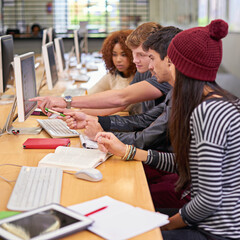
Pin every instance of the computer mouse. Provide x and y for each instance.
(90, 174)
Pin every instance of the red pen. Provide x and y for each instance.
(95, 211)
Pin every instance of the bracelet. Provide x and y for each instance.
(130, 153)
(126, 153)
(133, 152)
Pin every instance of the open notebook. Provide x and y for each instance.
(74, 159)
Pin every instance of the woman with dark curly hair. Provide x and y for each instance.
(119, 63)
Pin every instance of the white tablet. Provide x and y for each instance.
(48, 222)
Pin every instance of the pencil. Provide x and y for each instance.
(52, 111)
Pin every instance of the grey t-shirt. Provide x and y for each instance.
(163, 87)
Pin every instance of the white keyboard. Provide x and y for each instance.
(57, 128)
(80, 77)
(36, 187)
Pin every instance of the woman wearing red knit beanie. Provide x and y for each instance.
(205, 135)
(208, 119)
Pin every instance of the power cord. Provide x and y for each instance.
(9, 164)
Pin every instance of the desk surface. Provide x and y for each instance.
(124, 181)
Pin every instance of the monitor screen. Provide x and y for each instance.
(77, 46)
(6, 58)
(50, 34)
(25, 84)
(50, 65)
(45, 37)
(60, 54)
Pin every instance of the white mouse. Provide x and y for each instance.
(90, 174)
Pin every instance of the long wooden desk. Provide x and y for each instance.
(124, 181)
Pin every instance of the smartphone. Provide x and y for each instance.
(48, 222)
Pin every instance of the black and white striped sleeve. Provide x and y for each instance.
(161, 161)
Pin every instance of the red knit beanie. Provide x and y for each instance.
(197, 52)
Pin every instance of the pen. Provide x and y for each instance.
(95, 211)
(52, 111)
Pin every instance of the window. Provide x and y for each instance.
(103, 16)
(191, 13)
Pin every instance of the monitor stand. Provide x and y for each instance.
(16, 130)
(6, 98)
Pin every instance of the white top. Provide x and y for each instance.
(109, 82)
(112, 81)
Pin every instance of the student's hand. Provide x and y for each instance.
(49, 102)
(75, 120)
(92, 128)
(175, 222)
(108, 142)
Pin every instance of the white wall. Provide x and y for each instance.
(231, 43)
(231, 53)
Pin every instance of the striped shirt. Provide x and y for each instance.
(214, 166)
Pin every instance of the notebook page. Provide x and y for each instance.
(119, 220)
(87, 143)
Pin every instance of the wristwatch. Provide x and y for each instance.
(68, 100)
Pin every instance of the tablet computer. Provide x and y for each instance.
(47, 222)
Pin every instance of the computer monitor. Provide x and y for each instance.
(50, 34)
(50, 64)
(24, 71)
(45, 37)
(6, 59)
(25, 85)
(60, 54)
(77, 46)
(83, 32)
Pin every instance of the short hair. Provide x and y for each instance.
(107, 50)
(141, 33)
(35, 25)
(160, 40)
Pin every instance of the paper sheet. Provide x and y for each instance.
(119, 220)
(87, 143)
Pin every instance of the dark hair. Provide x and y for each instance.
(35, 25)
(107, 50)
(188, 93)
(160, 40)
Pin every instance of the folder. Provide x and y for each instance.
(45, 143)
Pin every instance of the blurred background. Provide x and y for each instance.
(101, 17)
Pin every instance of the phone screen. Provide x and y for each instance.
(39, 224)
